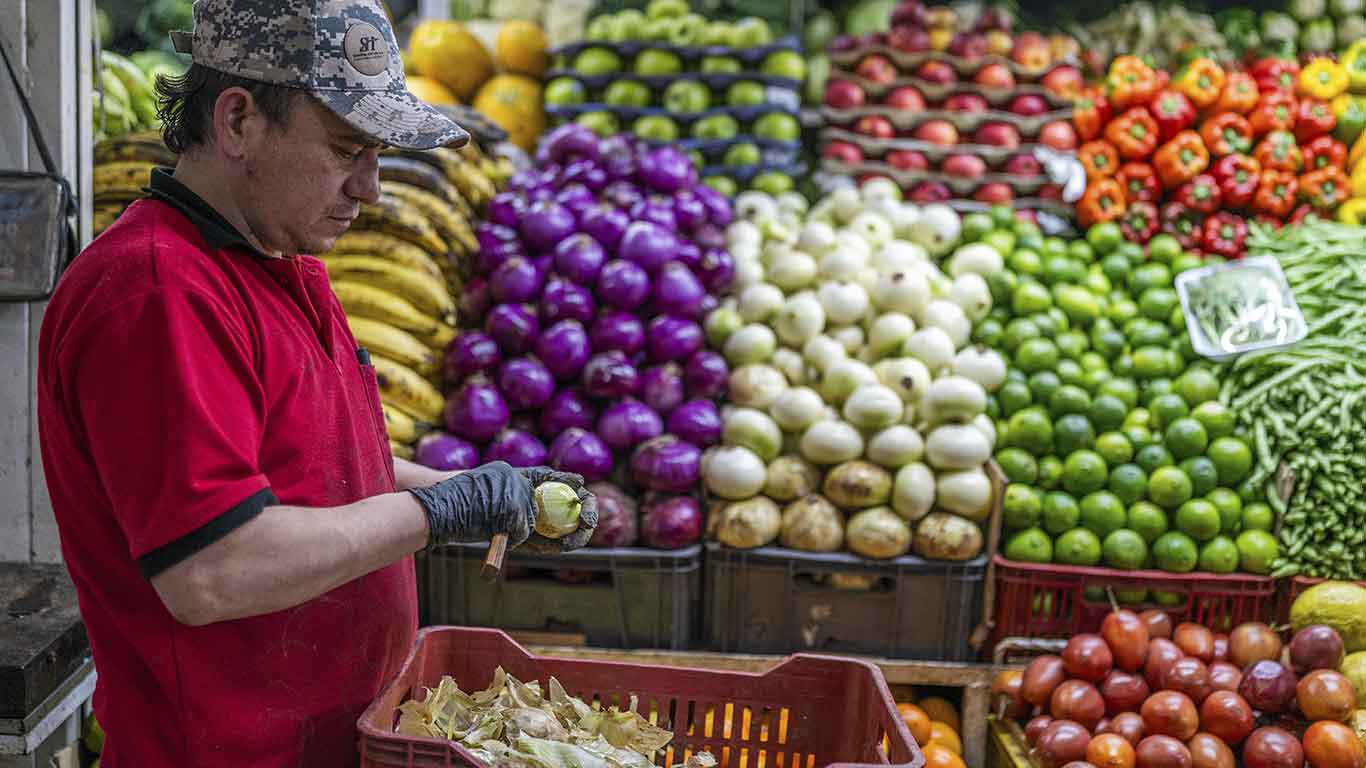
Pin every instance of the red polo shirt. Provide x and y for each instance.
(186, 383)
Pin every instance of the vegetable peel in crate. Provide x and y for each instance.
(512, 724)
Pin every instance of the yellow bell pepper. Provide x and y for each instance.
(1353, 212)
(1323, 79)
(1358, 185)
(1357, 156)
(1354, 63)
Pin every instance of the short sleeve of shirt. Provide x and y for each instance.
(163, 387)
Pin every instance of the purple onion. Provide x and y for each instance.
(445, 452)
(516, 280)
(490, 235)
(665, 169)
(672, 338)
(716, 270)
(718, 207)
(689, 210)
(567, 141)
(671, 522)
(513, 326)
(676, 291)
(525, 383)
(618, 523)
(534, 180)
(490, 259)
(566, 300)
(622, 194)
(657, 211)
(606, 224)
(580, 258)
(648, 245)
(516, 447)
(696, 421)
(709, 236)
(568, 408)
(474, 298)
(661, 387)
(541, 194)
(688, 255)
(564, 349)
(544, 262)
(666, 464)
(470, 353)
(617, 156)
(610, 376)
(706, 374)
(546, 223)
(628, 423)
(476, 411)
(617, 331)
(581, 452)
(709, 302)
(576, 197)
(506, 209)
(585, 173)
(623, 284)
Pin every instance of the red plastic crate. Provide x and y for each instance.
(1292, 588)
(808, 712)
(1050, 601)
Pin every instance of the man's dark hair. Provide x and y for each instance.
(185, 104)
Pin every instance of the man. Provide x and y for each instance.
(240, 539)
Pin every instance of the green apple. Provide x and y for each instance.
(600, 29)
(654, 62)
(657, 29)
(746, 93)
(565, 91)
(772, 182)
(743, 153)
(751, 32)
(627, 93)
(601, 123)
(655, 128)
(666, 9)
(820, 30)
(687, 30)
(723, 184)
(787, 64)
(597, 61)
(719, 33)
(686, 96)
(715, 127)
(627, 25)
(699, 162)
(720, 65)
(778, 126)
(817, 73)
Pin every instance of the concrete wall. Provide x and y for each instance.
(43, 39)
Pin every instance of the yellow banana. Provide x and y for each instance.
(403, 388)
(438, 339)
(402, 220)
(399, 450)
(365, 300)
(465, 175)
(120, 182)
(385, 340)
(141, 147)
(380, 245)
(453, 228)
(424, 173)
(103, 216)
(426, 293)
(402, 427)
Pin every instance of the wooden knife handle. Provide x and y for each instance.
(493, 562)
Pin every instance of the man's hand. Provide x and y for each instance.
(498, 498)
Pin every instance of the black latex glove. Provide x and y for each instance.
(498, 498)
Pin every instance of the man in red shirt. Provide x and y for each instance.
(240, 539)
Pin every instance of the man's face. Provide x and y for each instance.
(306, 180)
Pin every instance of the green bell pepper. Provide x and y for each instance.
(1318, 36)
(1277, 26)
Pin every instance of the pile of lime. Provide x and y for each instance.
(1116, 446)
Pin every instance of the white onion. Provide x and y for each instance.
(791, 477)
(888, 332)
(906, 376)
(913, 491)
(733, 472)
(797, 408)
(748, 271)
(931, 346)
(873, 226)
(895, 446)
(753, 343)
(843, 264)
(790, 362)
(971, 294)
(937, 229)
(982, 365)
(845, 203)
(951, 318)
(872, 406)
(849, 240)
(817, 238)
(755, 385)
(956, 446)
(983, 423)
(793, 201)
(754, 430)
(842, 378)
(721, 323)
(898, 256)
(954, 399)
(822, 351)
(905, 291)
(849, 336)
(976, 258)
(800, 319)
(844, 302)
(760, 302)
(880, 189)
(743, 232)
(966, 493)
(831, 442)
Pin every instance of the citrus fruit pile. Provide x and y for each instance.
(1111, 434)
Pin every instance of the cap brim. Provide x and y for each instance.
(397, 118)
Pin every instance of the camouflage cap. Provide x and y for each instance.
(342, 51)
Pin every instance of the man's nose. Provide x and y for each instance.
(363, 184)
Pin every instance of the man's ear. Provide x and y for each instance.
(236, 121)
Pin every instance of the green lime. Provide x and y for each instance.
(1102, 512)
(1150, 362)
(1232, 458)
(1163, 248)
(1198, 519)
(1021, 507)
(1068, 399)
(1036, 355)
(1094, 361)
(1219, 555)
(1002, 285)
(1175, 362)
(1139, 437)
(1152, 458)
(1080, 305)
(1060, 512)
(1131, 596)
(1124, 389)
(1122, 311)
(1030, 298)
(1029, 546)
(1185, 438)
(1186, 262)
(1175, 552)
(1048, 324)
(1081, 251)
(1124, 366)
(1145, 333)
(1077, 547)
(1108, 343)
(1018, 465)
(1042, 385)
(1258, 516)
(1071, 372)
(1148, 520)
(1013, 396)
(1002, 217)
(1107, 412)
(1215, 418)
(975, 226)
(1155, 389)
(1072, 344)
(1138, 417)
(1256, 551)
(1060, 269)
(1053, 246)
(1115, 448)
(1197, 386)
(1167, 409)
(1019, 331)
(1032, 430)
(1129, 482)
(1026, 262)
(1104, 237)
(989, 333)
(1125, 549)
(1096, 282)
(1204, 477)
(1084, 472)
(1050, 472)
(1149, 276)
(1072, 432)
(1177, 322)
(1230, 508)
(1094, 378)
(1157, 303)
(1132, 251)
(1115, 267)
(1025, 229)
(1169, 488)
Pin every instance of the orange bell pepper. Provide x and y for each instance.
(1133, 133)
(1276, 194)
(1130, 81)
(1239, 94)
(1090, 113)
(1103, 200)
(1099, 158)
(1227, 133)
(1202, 80)
(1181, 159)
(1275, 111)
(1139, 182)
(1279, 152)
(1325, 189)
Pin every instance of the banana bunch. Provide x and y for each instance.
(123, 167)
(124, 98)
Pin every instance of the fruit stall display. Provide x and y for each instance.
(1301, 28)
(936, 726)
(726, 93)
(952, 108)
(124, 95)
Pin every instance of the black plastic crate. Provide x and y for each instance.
(619, 598)
(776, 600)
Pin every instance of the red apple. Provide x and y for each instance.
(876, 126)
(999, 43)
(995, 17)
(905, 97)
(1026, 104)
(997, 135)
(937, 132)
(845, 151)
(966, 102)
(968, 45)
(1050, 192)
(877, 68)
(1031, 51)
(909, 13)
(1023, 165)
(964, 166)
(844, 94)
(995, 192)
(930, 192)
(909, 39)
(907, 160)
(1065, 81)
(995, 76)
(934, 71)
(1059, 135)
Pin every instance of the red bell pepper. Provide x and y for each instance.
(1139, 182)
(1139, 222)
(1174, 113)
(1182, 223)
(1301, 213)
(1099, 158)
(1227, 133)
(1238, 176)
(1179, 160)
(1201, 194)
(1276, 194)
(1279, 152)
(1239, 94)
(1275, 111)
(1324, 152)
(1224, 234)
(1325, 189)
(1315, 118)
(1090, 113)
(1103, 200)
(1133, 133)
(1130, 81)
(1274, 74)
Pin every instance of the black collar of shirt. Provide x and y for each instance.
(217, 232)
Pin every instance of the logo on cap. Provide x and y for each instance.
(366, 49)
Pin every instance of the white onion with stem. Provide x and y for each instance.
(971, 294)
(760, 302)
(895, 446)
(817, 238)
(905, 291)
(975, 258)
(754, 343)
(981, 364)
(800, 319)
(844, 302)
(753, 429)
(849, 336)
(951, 318)
(831, 442)
(797, 408)
(872, 406)
(755, 385)
(790, 362)
(842, 378)
(906, 376)
(955, 399)
(956, 446)
(888, 333)
(931, 346)
(822, 351)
